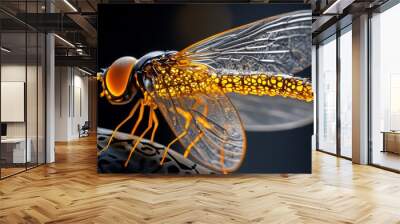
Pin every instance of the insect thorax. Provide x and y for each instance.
(176, 80)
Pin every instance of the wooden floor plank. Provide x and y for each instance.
(71, 191)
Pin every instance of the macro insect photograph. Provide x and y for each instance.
(204, 89)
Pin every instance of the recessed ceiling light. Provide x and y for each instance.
(337, 7)
(84, 71)
(5, 50)
(64, 40)
(70, 5)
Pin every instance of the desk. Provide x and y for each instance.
(391, 141)
(16, 147)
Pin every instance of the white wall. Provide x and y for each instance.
(71, 94)
(12, 73)
(61, 103)
(80, 102)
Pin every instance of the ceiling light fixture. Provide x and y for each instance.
(70, 5)
(5, 50)
(79, 51)
(337, 7)
(333, 6)
(84, 71)
(64, 40)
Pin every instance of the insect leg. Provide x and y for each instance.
(187, 151)
(122, 123)
(141, 111)
(188, 117)
(155, 119)
(139, 139)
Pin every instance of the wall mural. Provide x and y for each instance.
(190, 91)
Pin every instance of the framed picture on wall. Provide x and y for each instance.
(204, 88)
(12, 101)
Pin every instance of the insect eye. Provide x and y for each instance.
(118, 76)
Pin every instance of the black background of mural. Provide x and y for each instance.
(135, 30)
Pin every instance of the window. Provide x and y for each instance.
(385, 89)
(346, 92)
(327, 96)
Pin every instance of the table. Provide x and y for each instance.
(16, 147)
(391, 141)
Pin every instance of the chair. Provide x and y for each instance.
(84, 129)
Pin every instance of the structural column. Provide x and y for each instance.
(50, 92)
(360, 89)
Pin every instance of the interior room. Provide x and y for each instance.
(71, 99)
(22, 104)
(78, 146)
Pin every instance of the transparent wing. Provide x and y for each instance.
(279, 44)
(222, 145)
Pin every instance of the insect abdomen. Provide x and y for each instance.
(176, 81)
(263, 84)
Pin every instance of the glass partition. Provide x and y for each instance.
(13, 94)
(327, 95)
(22, 77)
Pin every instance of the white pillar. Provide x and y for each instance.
(50, 98)
(50, 105)
(360, 90)
(50, 92)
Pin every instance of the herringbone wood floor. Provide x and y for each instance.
(70, 191)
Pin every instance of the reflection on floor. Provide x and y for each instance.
(10, 171)
(71, 191)
(13, 169)
(387, 159)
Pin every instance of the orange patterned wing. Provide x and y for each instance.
(222, 142)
